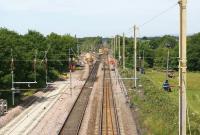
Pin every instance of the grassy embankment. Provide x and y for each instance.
(158, 110)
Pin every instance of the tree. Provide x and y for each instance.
(193, 52)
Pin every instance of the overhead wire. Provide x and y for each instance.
(158, 15)
(149, 21)
(129, 31)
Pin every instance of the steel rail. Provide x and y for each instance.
(108, 124)
(74, 120)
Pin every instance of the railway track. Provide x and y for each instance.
(109, 124)
(73, 122)
(24, 122)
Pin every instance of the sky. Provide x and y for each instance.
(97, 17)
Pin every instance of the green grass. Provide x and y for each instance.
(193, 92)
(158, 110)
(193, 87)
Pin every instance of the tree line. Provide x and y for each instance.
(24, 49)
(155, 51)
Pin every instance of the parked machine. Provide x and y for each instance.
(89, 58)
(3, 107)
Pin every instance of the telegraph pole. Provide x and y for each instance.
(119, 48)
(123, 51)
(135, 56)
(182, 68)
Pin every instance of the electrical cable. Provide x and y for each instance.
(158, 15)
(153, 18)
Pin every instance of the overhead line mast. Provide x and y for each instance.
(124, 51)
(135, 57)
(119, 45)
(182, 68)
(116, 45)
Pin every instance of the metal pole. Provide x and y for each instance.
(116, 41)
(167, 64)
(70, 73)
(35, 62)
(46, 70)
(143, 60)
(115, 46)
(182, 68)
(78, 49)
(124, 52)
(12, 75)
(77, 46)
(140, 61)
(13, 88)
(13, 97)
(111, 46)
(119, 48)
(135, 56)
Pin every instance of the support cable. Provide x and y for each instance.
(153, 18)
(159, 14)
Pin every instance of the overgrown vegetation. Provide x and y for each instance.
(157, 109)
(193, 94)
